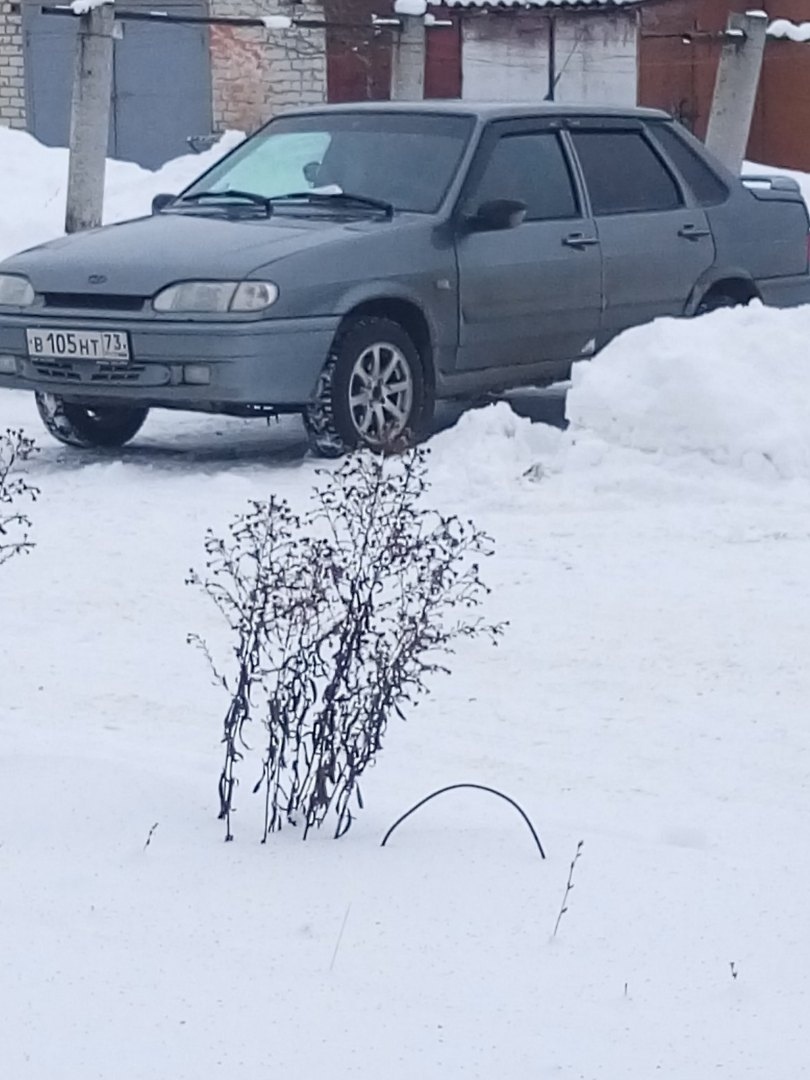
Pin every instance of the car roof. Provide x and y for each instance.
(483, 110)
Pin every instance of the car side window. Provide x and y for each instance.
(531, 168)
(623, 173)
(708, 188)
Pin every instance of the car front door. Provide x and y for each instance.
(655, 245)
(534, 292)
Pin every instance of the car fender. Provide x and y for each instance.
(439, 311)
(710, 278)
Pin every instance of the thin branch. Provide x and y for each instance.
(568, 887)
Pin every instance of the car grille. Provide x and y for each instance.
(95, 373)
(55, 371)
(93, 301)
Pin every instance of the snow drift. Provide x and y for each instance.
(729, 390)
(33, 186)
(733, 386)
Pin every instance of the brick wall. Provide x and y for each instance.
(12, 82)
(256, 73)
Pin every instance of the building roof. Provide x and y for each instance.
(538, 3)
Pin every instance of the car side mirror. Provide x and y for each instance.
(160, 202)
(497, 214)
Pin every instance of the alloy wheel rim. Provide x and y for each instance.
(381, 393)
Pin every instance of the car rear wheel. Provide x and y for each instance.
(372, 391)
(716, 301)
(89, 425)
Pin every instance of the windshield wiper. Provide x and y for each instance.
(323, 198)
(345, 197)
(232, 195)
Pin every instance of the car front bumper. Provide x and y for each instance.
(268, 362)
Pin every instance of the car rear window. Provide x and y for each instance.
(623, 173)
(708, 189)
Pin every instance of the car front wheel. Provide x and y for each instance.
(89, 425)
(372, 391)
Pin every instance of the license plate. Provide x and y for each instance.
(111, 345)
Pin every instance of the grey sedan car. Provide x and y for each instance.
(354, 264)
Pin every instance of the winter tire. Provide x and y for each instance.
(372, 391)
(715, 301)
(88, 426)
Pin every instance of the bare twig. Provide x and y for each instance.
(15, 449)
(568, 887)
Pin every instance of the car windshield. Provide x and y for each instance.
(405, 159)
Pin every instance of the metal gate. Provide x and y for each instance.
(161, 82)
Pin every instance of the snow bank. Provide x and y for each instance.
(488, 448)
(733, 387)
(730, 390)
(33, 184)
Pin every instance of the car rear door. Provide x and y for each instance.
(656, 243)
(531, 293)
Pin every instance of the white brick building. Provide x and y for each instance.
(12, 80)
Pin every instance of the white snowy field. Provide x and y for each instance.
(649, 698)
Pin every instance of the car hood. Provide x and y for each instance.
(138, 258)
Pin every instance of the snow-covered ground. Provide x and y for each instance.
(649, 698)
(33, 183)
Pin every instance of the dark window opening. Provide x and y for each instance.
(623, 173)
(531, 169)
(708, 188)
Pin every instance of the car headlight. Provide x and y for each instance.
(16, 291)
(211, 297)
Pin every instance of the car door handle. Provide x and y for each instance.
(580, 240)
(693, 232)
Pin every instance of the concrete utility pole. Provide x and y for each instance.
(408, 60)
(90, 118)
(735, 91)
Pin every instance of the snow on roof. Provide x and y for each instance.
(536, 3)
(784, 28)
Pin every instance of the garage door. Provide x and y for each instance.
(162, 82)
